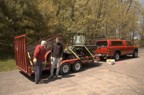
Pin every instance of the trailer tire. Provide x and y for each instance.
(65, 68)
(76, 66)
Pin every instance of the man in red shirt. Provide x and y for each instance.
(38, 59)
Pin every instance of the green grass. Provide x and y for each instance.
(7, 65)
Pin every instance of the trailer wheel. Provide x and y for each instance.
(135, 54)
(65, 68)
(76, 66)
(117, 56)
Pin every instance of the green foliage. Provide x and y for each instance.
(40, 18)
(7, 65)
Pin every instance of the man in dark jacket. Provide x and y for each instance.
(38, 59)
(56, 57)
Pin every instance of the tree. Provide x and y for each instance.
(40, 18)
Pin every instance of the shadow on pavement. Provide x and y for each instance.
(44, 77)
(45, 74)
(122, 58)
(45, 81)
(128, 57)
(90, 65)
(31, 78)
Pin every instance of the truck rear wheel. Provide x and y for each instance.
(76, 66)
(117, 56)
(135, 54)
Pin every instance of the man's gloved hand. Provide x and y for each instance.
(61, 59)
(51, 58)
(34, 60)
(45, 62)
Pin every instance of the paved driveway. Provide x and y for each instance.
(126, 77)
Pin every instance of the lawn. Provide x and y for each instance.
(7, 65)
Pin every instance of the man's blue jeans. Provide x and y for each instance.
(55, 62)
(38, 71)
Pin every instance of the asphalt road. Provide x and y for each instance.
(126, 77)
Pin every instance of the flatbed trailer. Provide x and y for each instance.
(71, 60)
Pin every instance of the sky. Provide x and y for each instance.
(142, 2)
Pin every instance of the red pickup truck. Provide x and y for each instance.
(115, 49)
